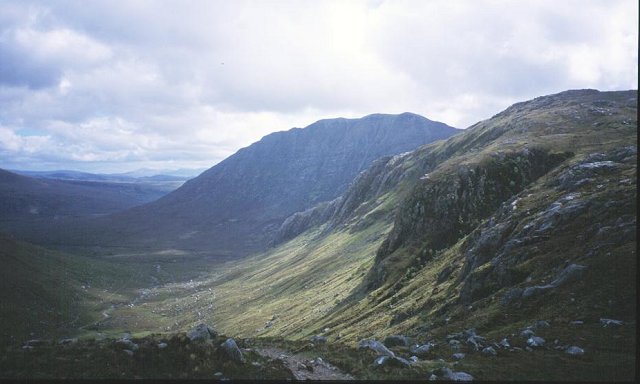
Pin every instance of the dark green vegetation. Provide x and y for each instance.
(522, 225)
(235, 207)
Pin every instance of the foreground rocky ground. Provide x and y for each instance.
(581, 350)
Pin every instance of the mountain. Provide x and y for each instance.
(235, 207)
(523, 224)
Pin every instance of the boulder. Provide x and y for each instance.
(489, 351)
(610, 322)
(68, 341)
(375, 346)
(527, 333)
(162, 345)
(201, 333)
(576, 351)
(448, 374)
(458, 356)
(421, 350)
(504, 343)
(231, 350)
(395, 340)
(391, 361)
(535, 341)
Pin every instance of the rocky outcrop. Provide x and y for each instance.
(230, 349)
(358, 201)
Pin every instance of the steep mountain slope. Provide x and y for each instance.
(527, 216)
(237, 205)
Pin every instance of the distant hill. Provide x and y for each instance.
(24, 199)
(235, 207)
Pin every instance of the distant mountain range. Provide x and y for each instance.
(46, 196)
(235, 207)
(141, 175)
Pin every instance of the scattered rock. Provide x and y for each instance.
(570, 273)
(230, 348)
(458, 356)
(201, 333)
(535, 341)
(473, 340)
(504, 343)
(527, 333)
(610, 322)
(391, 361)
(318, 339)
(421, 350)
(576, 351)
(414, 359)
(395, 340)
(489, 351)
(448, 374)
(68, 341)
(454, 344)
(576, 322)
(376, 346)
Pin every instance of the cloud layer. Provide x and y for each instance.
(103, 86)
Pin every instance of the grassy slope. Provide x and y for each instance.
(42, 290)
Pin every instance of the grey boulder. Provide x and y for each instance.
(375, 346)
(201, 333)
(231, 350)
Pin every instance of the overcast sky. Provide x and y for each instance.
(109, 86)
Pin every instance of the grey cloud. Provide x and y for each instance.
(18, 68)
(186, 81)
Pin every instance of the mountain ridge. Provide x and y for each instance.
(236, 206)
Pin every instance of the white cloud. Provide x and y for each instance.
(116, 86)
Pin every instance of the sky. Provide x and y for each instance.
(114, 86)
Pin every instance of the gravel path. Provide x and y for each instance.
(303, 368)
